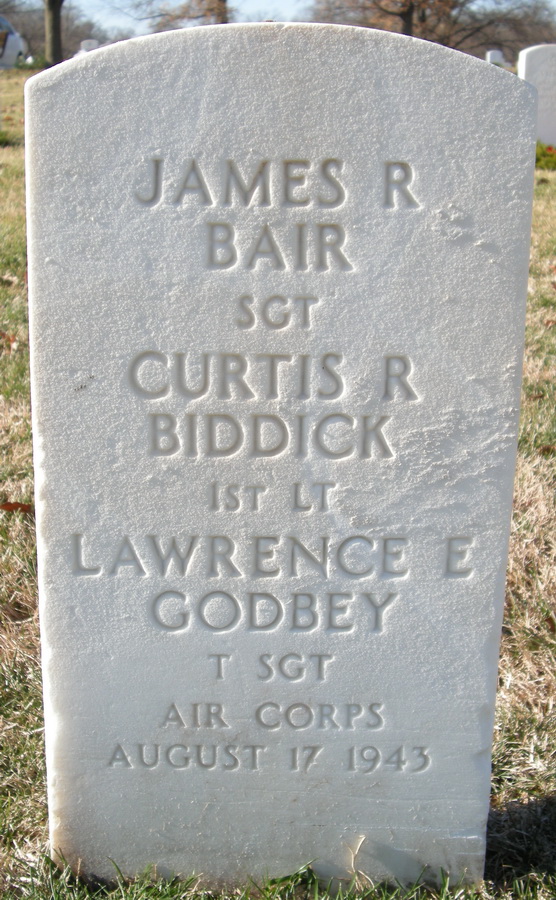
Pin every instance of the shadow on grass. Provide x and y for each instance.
(521, 838)
(10, 140)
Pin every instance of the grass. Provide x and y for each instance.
(521, 853)
(546, 156)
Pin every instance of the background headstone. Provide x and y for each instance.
(537, 65)
(87, 45)
(496, 58)
(278, 277)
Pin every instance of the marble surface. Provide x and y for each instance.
(537, 65)
(277, 277)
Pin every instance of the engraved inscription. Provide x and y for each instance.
(226, 758)
(458, 557)
(285, 184)
(314, 499)
(322, 716)
(399, 178)
(200, 715)
(396, 381)
(337, 436)
(302, 758)
(400, 760)
(221, 612)
(272, 717)
(354, 556)
(278, 185)
(304, 246)
(276, 312)
(369, 759)
(153, 375)
(257, 412)
(294, 666)
(220, 659)
(235, 497)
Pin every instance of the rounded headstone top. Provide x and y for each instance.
(395, 52)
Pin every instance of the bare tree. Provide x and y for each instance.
(53, 50)
(53, 31)
(406, 16)
(469, 25)
(8, 7)
(164, 16)
(29, 20)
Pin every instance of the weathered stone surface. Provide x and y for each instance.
(537, 65)
(278, 277)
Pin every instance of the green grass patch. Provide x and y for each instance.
(546, 156)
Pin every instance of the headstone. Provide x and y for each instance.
(87, 46)
(278, 277)
(537, 65)
(496, 58)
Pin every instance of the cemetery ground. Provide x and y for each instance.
(521, 854)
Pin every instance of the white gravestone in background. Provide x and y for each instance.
(537, 65)
(278, 284)
(496, 58)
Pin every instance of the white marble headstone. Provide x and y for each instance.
(88, 45)
(537, 65)
(496, 58)
(278, 279)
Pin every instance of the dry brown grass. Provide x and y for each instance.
(523, 821)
